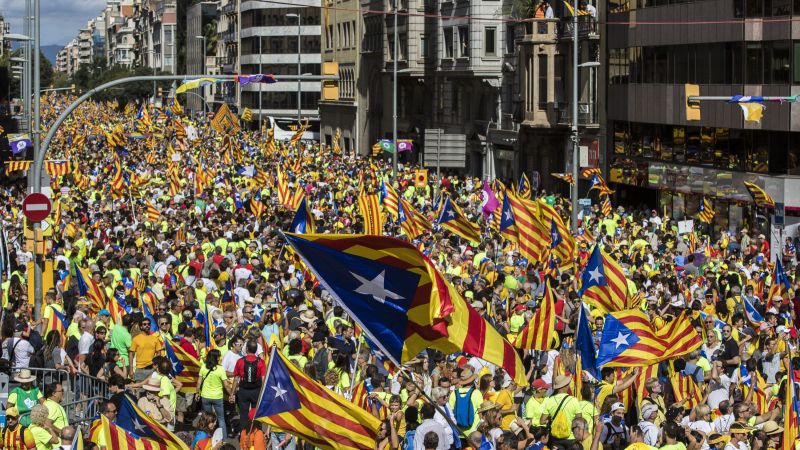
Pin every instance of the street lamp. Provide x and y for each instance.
(259, 84)
(575, 148)
(16, 37)
(296, 16)
(203, 57)
(25, 89)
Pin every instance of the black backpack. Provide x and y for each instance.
(250, 380)
(37, 359)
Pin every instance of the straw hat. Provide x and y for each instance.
(771, 427)
(25, 376)
(487, 406)
(467, 375)
(561, 381)
(152, 385)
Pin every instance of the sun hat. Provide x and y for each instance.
(25, 376)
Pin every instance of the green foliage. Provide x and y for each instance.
(88, 77)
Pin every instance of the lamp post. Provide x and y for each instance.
(297, 16)
(203, 57)
(394, 93)
(25, 88)
(574, 137)
(152, 53)
(259, 84)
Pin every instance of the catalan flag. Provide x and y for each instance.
(532, 236)
(685, 389)
(369, 205)
(293, 402)
(400, 300)
(224, 121)
(185, 367)
(303, 222)
(389, 198)
(153, 215)
(605, 206)
(587, 172)
(706, 213)
(603, 282)
(564, 177)
(56, 322)
(256, 205)
(57, 168)
(760, 196)
(88, 288)
(506, 224)
(791, 412)
(407, 220)
(599, 183)
(298, 135)
(629, 340)
(452, 219)
(540, 331)
(13, 166)
(524, 187)
(133, 429)
(780, 282)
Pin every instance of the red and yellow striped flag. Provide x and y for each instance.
(293, 402)
(540, 331)
(533, 239)
(153, 215)
(791, 412)
(685, 390)
(369, 205)
(13, 166)
(452, 219)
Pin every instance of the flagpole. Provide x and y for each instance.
(353, 372)
(133, 205)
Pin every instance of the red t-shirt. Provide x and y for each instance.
(188, 347)
(261, 368)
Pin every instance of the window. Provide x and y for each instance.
(339, 35)
(780, 63)
(455, 101)
(463, 41)
(423, 45)
(448, 42)
(796, 66)
(541, 77)
(490, 41)
(403, 50)
(754, 62)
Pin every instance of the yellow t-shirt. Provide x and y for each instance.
(212, 383)
(146, 346)
(534, 409)
(570, 407)
(42, 438)
(168, 390)
(57, 414)
(505, 400)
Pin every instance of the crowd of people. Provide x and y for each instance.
(204, 274)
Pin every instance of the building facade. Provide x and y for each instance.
(345, 43)
(655, 154)
(268, 40)
(199, 60)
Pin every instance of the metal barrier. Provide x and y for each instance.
(83, 393)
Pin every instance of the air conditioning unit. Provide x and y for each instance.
(583, 108)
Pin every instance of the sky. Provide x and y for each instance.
(61, 19)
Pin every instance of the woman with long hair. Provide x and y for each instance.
(208, 435)
(211, 385)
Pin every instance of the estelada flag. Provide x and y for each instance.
(629, 340)
(293, 402)
(540, 331)
(420, 178)
(400, 300)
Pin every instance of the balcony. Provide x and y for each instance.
(229, 37)
(537, 31)
(587, 27)
(227, 65)
(587, 114)
(229, 9)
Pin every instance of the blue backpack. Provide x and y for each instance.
(410, 439)
(464, 411)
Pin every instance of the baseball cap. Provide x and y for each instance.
(540, 384)
(616, 406)
(104, 312)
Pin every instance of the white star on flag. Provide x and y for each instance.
(279, 392)
(375, 287)
(595, 275)
(621, 339)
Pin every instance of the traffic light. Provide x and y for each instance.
(160, 91)
(72, 88)
(330, 88)
(692, 108)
